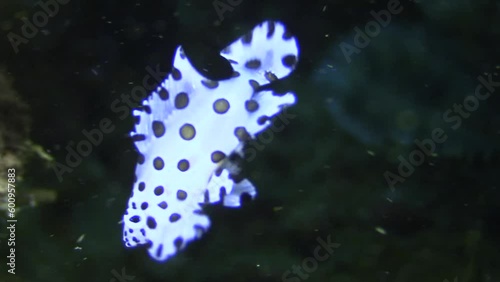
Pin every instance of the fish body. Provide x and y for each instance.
(186, 130)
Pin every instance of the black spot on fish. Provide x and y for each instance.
(140, 158)
(187, 131)
(183, 165)
(217, 156)
(176, 74)
(142, 186)
(247, 38)
(174, 217)
(138, 137)
(159, 250)
(181, 100)
(253, 64)
(163, 205)
(270, 29)
(181, 195)
(158, 190)
(151, 222)
(158, 163)
(210, 84)
(289, 61)
(221, 106)
(163, 94)
(255, 85)
(158, 128)
(178, 242)
(251, 105)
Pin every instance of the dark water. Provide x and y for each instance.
(387, 169)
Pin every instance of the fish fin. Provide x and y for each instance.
(224, 188)
(233, 199)
(268, 53)
(165, 234)
(269, 104)
(173, 95)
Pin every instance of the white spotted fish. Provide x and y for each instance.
(187, 129)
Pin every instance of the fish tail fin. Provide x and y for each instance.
(268, 52)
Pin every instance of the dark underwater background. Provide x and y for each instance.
(339, 171)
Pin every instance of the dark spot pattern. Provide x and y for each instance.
(158, 163)
(174, 217)
(270, 76)
(151, 222)
(233, 62)
(206, 197)
(287, 35)
(135, 219)
(255, 85)
(138, 137)
(210, 84)
(270, 29)
(241, 133)
(159, 250)
(247, 38)
(181, 100)
(199, 229)
(143, 232)
(178, 242)
(135, 239)
(163, 94)
(226, 50)
(251, 105)
(289, 61)
(181, 195)
(140, 158)
(176, 74)
(235, 74)
(147, 109)
(261, 120)
(221, 106)
(218, 172)
(187, 131)
(253, 64)
(217, 156)
(142, 186)
(222, 192)
(159, 190)
(158, 128)
(163, 205)
(183, 165)
(181, 53)
(144, 206)
(137, 119)
(134, 206)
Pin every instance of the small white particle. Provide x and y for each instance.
(80, 239)
(380, 230)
